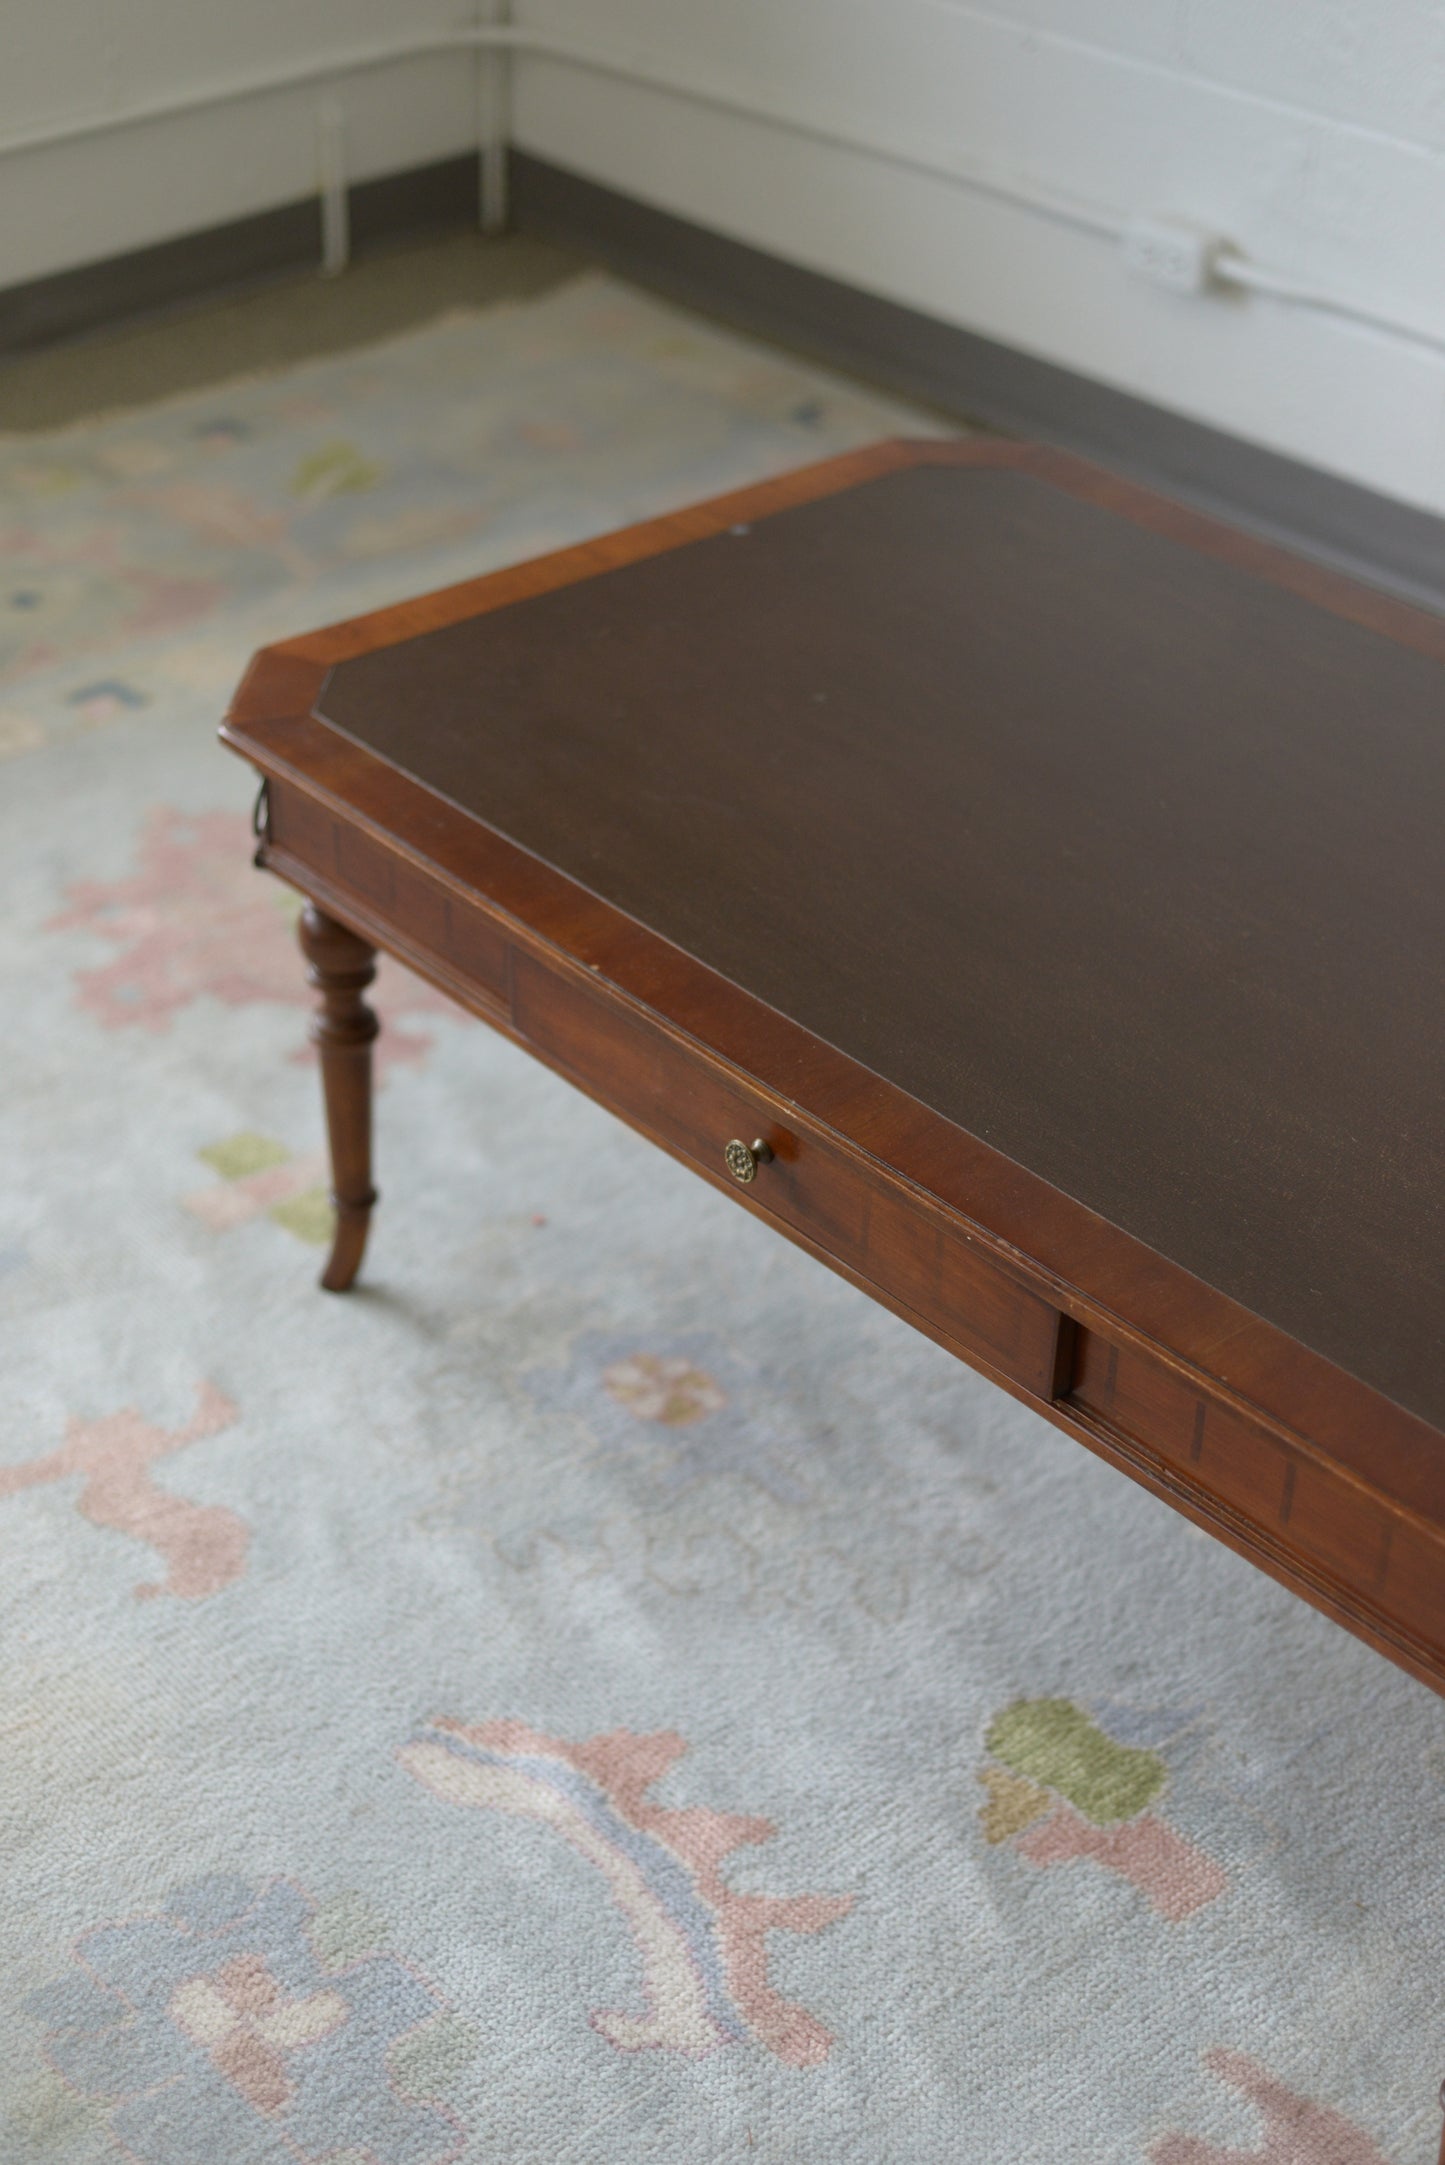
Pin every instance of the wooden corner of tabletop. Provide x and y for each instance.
(278, 681)
(286, 677)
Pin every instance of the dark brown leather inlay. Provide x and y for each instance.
(1119, 857)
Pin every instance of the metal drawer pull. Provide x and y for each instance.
(743, 1161)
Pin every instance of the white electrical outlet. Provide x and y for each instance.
(1170, 252)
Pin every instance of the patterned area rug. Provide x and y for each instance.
(605, 1691)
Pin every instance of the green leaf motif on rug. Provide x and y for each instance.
(241, 1154)
(336, 469)
(310, 1216)
(427, 2061)
(345, 1929)
(1053, 1741)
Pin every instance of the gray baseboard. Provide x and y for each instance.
(223, 259)
(975, 379)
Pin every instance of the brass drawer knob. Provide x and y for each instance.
(742, 1160)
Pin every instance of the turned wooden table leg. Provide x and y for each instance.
(344, 1028)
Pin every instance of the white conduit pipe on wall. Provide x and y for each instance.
(502, 39)
(494, 116)
(331, 172)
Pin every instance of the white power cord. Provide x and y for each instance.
(1232, 269)
(1186, 258)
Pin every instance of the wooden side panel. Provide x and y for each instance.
(933, 1269)
(817, 1190)
(463, 936)
(1321, 1518)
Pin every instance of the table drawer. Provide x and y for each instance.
(811, 1187)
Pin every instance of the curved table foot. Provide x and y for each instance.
(348, 1245)
(341, 966)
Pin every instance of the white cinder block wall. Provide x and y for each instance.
(79, 60)
(1311, 133)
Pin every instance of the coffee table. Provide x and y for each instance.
(1023, 893)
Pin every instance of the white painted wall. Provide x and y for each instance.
(1311, 132)
(63, 60)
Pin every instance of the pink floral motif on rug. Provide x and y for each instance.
(703, 1946)
(197, 920)
(72, 595)
(1296, 2131)
(203, 1546)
